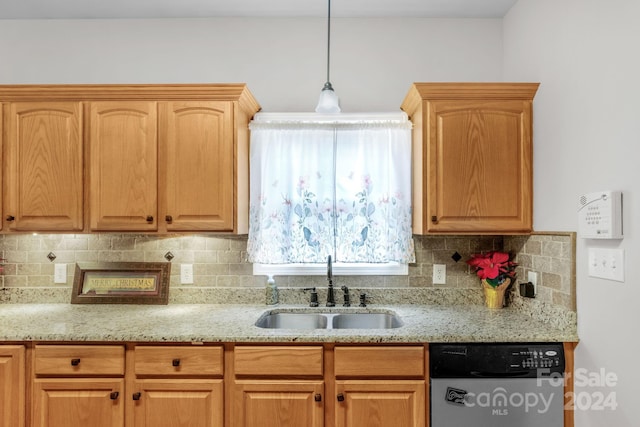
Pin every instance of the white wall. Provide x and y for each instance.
(586, 54)
(283, 60)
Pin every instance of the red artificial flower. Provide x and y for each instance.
(493, 266)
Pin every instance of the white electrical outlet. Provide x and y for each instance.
(439, 274)
(60, 273)
(532, 277)
(186, 274)
(606, 263)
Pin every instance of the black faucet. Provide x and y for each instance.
(331, 302)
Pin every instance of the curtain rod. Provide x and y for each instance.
(399, 117)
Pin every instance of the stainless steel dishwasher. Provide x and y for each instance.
(497, 385)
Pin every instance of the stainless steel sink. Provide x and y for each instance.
(366, 321)
(314, 320)
(293, 321)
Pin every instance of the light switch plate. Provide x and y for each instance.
(186, 274)
(60, 273)
(439, 274)
(532, 277)
(606, 263)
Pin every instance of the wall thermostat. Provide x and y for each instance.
(600, 215)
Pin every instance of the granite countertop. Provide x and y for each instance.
(236, 323)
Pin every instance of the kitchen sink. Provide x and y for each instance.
(293, 321)
(287, 320)
(366, 321)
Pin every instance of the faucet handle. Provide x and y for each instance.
(313, 300)
(347, 301)
(363, 299)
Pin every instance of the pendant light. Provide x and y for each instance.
(328, 102)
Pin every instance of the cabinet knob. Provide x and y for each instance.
(75, 362)
(168, 218)
(149, 218)
(175, 362)
(114, 395)
(434, 219)
(340, 397)
(10, 217)
(317, 397)
(137, 395)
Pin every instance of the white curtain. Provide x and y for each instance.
(337, 188)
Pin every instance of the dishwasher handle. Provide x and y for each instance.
(512, 374)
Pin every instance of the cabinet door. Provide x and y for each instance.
(123, 166)
(394, 403)
(178, 403)
(12, 386)
(288, 403)
(44, 166)
(197, 166)
(78, 402)
(1, 162)
(479, 160)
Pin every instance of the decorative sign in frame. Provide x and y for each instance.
(121, 283)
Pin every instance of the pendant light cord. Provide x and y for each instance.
(328, 37)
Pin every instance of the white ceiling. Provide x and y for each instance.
(88, 9)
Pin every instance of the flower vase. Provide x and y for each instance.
(494, 295)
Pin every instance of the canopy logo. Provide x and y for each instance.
(455, 396)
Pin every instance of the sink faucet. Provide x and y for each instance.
(331, 302)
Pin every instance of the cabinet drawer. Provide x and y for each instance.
(79, 360)
(278, 360)
(405, 361)
(179, 360)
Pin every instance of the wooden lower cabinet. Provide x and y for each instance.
(317, 386)
(286, 403)
(178, 403)
(218, 385)
(78, 402)
(381, 403)
(12, 386)
(379, 386)
(78, 386)
(175, 386)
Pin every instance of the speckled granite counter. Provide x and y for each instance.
(235, 323)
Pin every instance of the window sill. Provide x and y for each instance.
(343, 269)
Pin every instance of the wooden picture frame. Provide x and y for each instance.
(121, 283)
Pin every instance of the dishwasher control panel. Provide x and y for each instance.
(518, 360)
(535, 358)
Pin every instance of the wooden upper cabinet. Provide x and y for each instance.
(44, 166)
(144, 158)
(472, 154)
(123, 175)
(197, 165)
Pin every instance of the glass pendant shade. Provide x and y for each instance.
(328, 102)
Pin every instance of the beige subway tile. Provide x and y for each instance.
(228, 257)
(217, 244)
(39, 280)
(227, 281)
(563, 300)
(551, 280)
(552, 249)
(15, 281)
(533, 247)
(99, 242)
(240, 269)
(29, 269)
(15, 257)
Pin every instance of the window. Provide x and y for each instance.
(336, 185)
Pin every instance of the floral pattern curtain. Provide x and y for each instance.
(340, 189)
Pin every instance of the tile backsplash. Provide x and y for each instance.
(221, 262)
